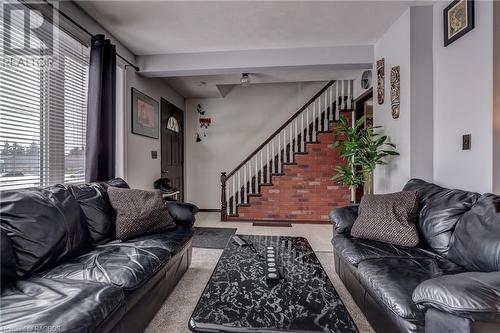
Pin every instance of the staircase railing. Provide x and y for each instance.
(268, 159)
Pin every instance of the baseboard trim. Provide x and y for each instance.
(271, 224)
(209, 210)
(277, 223)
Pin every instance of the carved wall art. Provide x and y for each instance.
(380, 80)
(395, 91)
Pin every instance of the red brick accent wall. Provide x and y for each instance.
(306, 191)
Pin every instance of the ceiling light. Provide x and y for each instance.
(245, 80)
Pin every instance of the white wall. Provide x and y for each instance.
(141, 170)
(463, 103)
(496, 96)
(394, 46)
(408, 44)
(422, 110)
(240, 123)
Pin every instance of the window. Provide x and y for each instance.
(43, 116)
(173, 125)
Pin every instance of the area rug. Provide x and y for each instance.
(212, 238)
(174, 315)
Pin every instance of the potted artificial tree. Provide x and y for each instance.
(362, 149)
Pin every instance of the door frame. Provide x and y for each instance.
(359, 111)
(183, 128)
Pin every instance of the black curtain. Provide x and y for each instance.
(101, 113)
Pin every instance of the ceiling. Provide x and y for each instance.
(159, 27)
(198, 27)
(211, 86)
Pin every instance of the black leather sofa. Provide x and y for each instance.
(450, 283)
(62, 270)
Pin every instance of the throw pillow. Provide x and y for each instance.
(389, 218)
(139, 212)
(475, 243)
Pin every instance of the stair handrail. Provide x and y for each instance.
(285, 124)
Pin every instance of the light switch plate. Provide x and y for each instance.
(466, 142)
(154, 154)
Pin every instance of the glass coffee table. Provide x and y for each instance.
(238, 297)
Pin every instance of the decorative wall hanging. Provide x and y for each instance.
(395, 92)
(381, 81)
(204, 123)
(145, 115)
(366, 79)
(458, 19)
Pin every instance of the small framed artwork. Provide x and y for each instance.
(145, 115)
(381, 81)
(458, 19)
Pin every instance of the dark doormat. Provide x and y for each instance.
(212, 238)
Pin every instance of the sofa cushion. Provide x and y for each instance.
(475, 244)
(7, 261)
(124, 264)
(355, 250)
(45, 226)
(439, 211)
(389, 218)
(392, 281)
(99, 214)
(174, 240)
(59, 305)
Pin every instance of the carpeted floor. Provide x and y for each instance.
(174, 314)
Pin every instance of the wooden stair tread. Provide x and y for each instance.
(278, 174)
(251, 195)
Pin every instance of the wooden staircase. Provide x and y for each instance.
(300, 147)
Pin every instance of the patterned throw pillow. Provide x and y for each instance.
(389, 218)
(139, 212)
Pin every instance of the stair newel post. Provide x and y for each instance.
(223, 199)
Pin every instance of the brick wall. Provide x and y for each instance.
(306, 191)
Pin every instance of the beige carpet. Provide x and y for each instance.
(174, 314)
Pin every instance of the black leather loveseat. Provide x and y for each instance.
(62, 271)
(449, 283)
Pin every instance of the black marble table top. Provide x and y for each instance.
(237, 297)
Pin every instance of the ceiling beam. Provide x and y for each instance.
(250, 61)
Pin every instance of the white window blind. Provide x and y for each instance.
(43, 115)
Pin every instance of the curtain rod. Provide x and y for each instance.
(90, 34)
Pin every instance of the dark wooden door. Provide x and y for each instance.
(172, 145)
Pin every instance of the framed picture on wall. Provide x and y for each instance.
(458, 19)
(145, 115)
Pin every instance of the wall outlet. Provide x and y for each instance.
(154, 154)
(466, 142)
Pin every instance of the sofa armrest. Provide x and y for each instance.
(182, 213)
(344, 218)
(473, 295)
